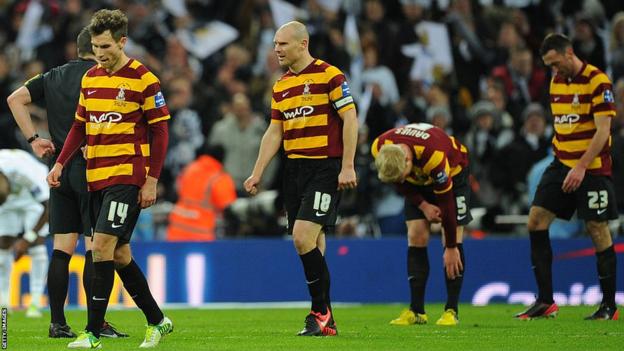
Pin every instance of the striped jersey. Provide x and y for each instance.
(437, 157)
(574, 104)
(307, 106)
(117, 110)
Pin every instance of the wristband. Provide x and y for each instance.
(32, 138)
(30, 236)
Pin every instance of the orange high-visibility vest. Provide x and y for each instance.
(204, 191)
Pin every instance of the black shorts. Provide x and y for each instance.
(594, 199)
(311, 191)
(69, 203)
(115, 211)
(461, 190)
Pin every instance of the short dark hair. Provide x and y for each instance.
(83, 41)
(113, 20)
(555, 41)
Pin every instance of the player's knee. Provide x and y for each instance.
(597, 229)
(537, 221)
(418, 239)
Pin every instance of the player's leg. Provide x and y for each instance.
(65, 219)
(135, 283)
(6, 265)
(606, 265)
(541, 263)
(450, 317)
(305, 235)
(114, 213)
(462, 191)
(58, 282)
(321, 244)
(549, 202)
(596, 203)
(38, 253)
(312, 207)
(417, 267)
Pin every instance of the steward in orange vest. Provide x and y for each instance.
(204, 191)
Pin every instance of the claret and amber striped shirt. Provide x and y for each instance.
(575, 103)
(307, 105)
(438, 157)
(116, 111)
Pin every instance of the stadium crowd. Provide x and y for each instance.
(469, 67)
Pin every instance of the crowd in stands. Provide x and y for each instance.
(469, 67)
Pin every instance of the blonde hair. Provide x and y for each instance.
(390, 163)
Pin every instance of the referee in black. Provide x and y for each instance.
(59, 88)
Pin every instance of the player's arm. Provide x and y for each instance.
(270, 144)
(439, 170)
(431, 211)
(347, 178)
(18, 103)
(577, 173)
(159, 132)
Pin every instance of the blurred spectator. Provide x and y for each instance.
(440, 117)
(617, 47)
(508, 39)
(374, 19)
(484, 140)
(234, 72)
(205, 190)
(377, 74)
(513, 162)
(185, 132)
(617, 144)
(239, 133)
(495, 93)
(414, 11)
(524, 83)
(440, 96)
(471, 52)
(586, 43)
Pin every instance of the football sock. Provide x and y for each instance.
(313, 268)
(326, 283)
(6, 264)
(58, 281)
(541, 260)
(606, 263)
(104, 275)
(87, 277)
(417, 275)
(136, 285)
(453, 286)
(38, 269)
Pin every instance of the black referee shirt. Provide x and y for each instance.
(60, 88)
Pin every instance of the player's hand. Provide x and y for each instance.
(20, 247)
(84, 152)
(452, 262)
(251, 184)
(347, 179)
(573, 179)
(54, 175)
(42, 147)
(431, 212)
(147, 194)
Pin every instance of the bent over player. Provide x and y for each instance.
(430, 169)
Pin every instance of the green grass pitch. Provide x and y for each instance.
(362, 327)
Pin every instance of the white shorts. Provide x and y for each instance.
(16, 221)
